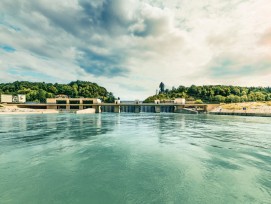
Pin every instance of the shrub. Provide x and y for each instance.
(199, 101)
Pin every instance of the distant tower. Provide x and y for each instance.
(162, 87)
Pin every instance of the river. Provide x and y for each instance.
(134, 158)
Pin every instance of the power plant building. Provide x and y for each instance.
(71, 103)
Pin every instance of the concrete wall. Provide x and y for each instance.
(179, 101)
(22, 98)
(51, 100)
(54, 100)
(6, 98)
(117, 101)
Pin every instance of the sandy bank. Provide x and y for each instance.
(6, 110)
(86, 111)
(247, 108)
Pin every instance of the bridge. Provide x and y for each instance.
(124, 107)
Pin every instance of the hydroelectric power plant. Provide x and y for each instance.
(74, 104)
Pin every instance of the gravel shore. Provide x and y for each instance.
(15, 110)
(247, 107)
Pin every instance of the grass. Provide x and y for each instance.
(232, 106)
(247, 105)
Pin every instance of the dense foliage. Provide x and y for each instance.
(215, 94)
(39, 91)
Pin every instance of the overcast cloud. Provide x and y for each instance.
(130, 46)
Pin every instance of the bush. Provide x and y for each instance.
(199, 101)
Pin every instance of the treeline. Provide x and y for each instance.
(39, 91)
(214, 94)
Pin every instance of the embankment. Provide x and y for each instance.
(260, 109)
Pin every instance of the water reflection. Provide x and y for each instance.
(45, 128)
(134, 158)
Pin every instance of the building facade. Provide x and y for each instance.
(65, 103)
(7, 98)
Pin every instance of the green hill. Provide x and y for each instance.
(214, 94)
(39, 91)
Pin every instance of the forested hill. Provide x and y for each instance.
(39, 91)
(214, 93)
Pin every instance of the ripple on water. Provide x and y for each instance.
(136, 158)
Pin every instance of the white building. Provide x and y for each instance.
(8, 98)
(179, 101)
(5, 98)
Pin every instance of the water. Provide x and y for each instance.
(134, 158)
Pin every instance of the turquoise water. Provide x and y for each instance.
(134, 158)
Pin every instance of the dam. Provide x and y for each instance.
(123, 107)
(66, 104)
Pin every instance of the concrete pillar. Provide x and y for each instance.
(157, 109)
(116, 109)
(68, 107)
(178, 108)
(97, 109)
(137, 109)
(81, 107)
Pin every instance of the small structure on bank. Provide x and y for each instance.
(175, 101)
(117, 101)
(10, 99)
(179, 101)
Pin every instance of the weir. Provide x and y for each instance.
(123, 107)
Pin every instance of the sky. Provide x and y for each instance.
(130, 46)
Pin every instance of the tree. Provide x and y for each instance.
(192, 90)
(37, 91)
(219, 99)
(198, 101)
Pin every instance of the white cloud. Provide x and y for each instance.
(137, 43)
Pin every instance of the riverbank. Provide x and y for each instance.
(6, 110)
(261, 109)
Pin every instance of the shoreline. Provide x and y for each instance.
(26, 113)
(14, 110)
(242, 114)
(260, 109)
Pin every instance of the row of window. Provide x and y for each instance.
(73, 102)
(72, 107)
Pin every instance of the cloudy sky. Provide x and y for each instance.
(130, 46)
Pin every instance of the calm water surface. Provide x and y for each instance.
(134, 158)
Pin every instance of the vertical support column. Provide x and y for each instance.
(98, 109)
(137, 109)
(179, 108)
(81, 107)
(116, 109)
(68, 104)
(157, 109)
(205, 108)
